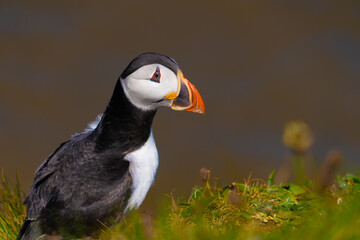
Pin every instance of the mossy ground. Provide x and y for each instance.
(254, 209)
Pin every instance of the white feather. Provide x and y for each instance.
(144, 163)
(91, 126)
(146, 94)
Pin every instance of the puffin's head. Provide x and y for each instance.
(153, 80)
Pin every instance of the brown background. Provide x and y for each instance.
(256, 64)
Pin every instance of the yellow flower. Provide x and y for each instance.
(297, 136)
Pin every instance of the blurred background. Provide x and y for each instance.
(257, 64)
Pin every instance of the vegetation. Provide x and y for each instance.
(254, 209)
(12, 211)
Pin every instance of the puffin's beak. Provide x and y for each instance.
(187, 96)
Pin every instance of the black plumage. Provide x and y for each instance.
(86, 182)
(150, 58)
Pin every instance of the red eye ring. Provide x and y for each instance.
(156, 76)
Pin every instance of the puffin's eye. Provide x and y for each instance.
(156, 76)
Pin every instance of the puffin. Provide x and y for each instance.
(96, 177)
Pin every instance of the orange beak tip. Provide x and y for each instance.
(188, 97)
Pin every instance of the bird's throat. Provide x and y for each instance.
(123, 125)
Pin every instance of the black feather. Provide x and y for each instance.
(86, 182)
(150, 58)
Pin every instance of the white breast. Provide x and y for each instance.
(144, 163)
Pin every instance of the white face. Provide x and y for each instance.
(145, 92)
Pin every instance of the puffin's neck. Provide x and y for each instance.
(123, 126)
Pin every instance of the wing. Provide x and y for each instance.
(35, 201)
(45, 170)
(76, 175)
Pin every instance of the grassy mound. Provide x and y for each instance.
(254, 209)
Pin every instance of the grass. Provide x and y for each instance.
(12, 211)
(254, 209)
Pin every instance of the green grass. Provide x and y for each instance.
(12, 211)
(254, 209)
